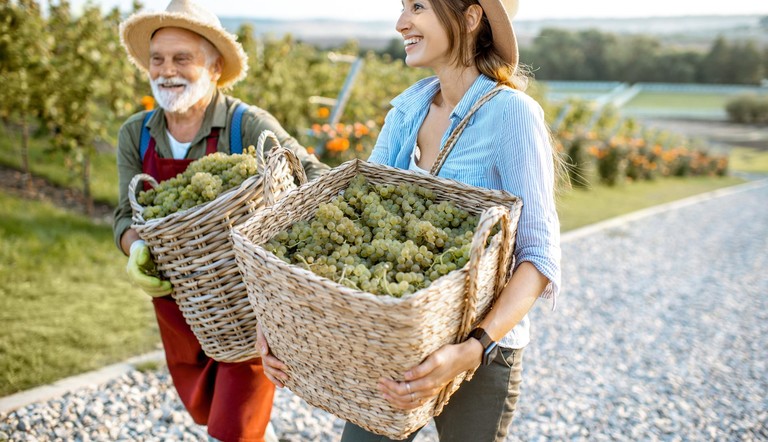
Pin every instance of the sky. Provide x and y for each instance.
(375, 10)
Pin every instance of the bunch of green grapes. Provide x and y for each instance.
(383, 239)
(203, 181)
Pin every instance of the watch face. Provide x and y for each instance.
(490, 353)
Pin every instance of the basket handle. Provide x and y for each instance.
(489, 218)
(137, 208)
(293, 163)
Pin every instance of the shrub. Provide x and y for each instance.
(748, 109)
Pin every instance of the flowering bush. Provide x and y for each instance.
(342, 142)
(626, 157)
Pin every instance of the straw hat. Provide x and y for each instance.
(500, 13)
(136, 32)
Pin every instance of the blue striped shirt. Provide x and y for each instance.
(505, 146)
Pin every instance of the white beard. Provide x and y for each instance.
(180, 101)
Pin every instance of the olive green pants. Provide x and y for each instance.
(480, 410)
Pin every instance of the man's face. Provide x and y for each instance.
(178, 69)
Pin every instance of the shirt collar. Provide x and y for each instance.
(417, 97)
(219, 110)
(480, 87)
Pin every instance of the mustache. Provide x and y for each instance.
(170, 81)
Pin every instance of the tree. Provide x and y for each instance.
(24, 53)
(598, 48)
(716, 66)
(395, 49)
(559, 56)
(746, 63)
(638, 58)
(89, 87)
(677, 67)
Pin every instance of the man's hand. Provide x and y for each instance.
(141, 271)
(274, 368)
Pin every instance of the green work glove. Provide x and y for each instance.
(141, 269)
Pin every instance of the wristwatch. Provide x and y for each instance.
(490, 347)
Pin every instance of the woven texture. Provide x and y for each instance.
(338, 341)
(192, 249)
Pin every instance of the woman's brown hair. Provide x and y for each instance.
(487, 60)
(483, 54)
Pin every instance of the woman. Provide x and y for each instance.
(471, 47)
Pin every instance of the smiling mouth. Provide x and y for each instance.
(171, 86)
(411, 41)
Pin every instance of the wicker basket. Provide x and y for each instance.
(338, 341)
(192, 249)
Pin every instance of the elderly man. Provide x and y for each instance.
(189, 58)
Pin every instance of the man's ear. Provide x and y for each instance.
(473, 16)
(216, 69)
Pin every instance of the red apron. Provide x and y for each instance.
(233, 399)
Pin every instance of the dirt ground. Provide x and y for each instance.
(12, 181)
(721, 134)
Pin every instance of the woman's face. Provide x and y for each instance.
(426, 41)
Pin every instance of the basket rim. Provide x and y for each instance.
(239, 232)
(192, 211)
(191, 214)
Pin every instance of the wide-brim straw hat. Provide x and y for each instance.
(137, 30)
(500, 13)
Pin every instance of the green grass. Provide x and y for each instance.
(655, 100)
(578, 208)
(53, 166)
(745, 159)
(66, 306)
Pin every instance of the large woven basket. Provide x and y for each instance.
(337, 341)
(192, 249)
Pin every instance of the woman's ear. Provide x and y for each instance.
(474, 16)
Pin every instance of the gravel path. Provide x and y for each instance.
(661, 334)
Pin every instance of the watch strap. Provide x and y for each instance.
(490, 347)
(482, 336)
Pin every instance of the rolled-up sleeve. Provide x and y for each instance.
(526, 168)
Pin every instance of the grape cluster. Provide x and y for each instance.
(203, 181)
(380, 238)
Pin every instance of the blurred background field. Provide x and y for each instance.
(640, 118)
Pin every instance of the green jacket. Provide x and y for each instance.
(219, 114)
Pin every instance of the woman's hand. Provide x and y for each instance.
(273, 367)
(425, 381)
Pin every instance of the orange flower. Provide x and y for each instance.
(148, 102)
(323, 112)
(338, 144)
(311, 150)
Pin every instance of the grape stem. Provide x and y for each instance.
(441, 257)
(309, 266)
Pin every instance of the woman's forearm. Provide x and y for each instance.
(515, 301)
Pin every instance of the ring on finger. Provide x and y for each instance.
(408, 387)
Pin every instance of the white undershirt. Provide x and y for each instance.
(178, 149)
